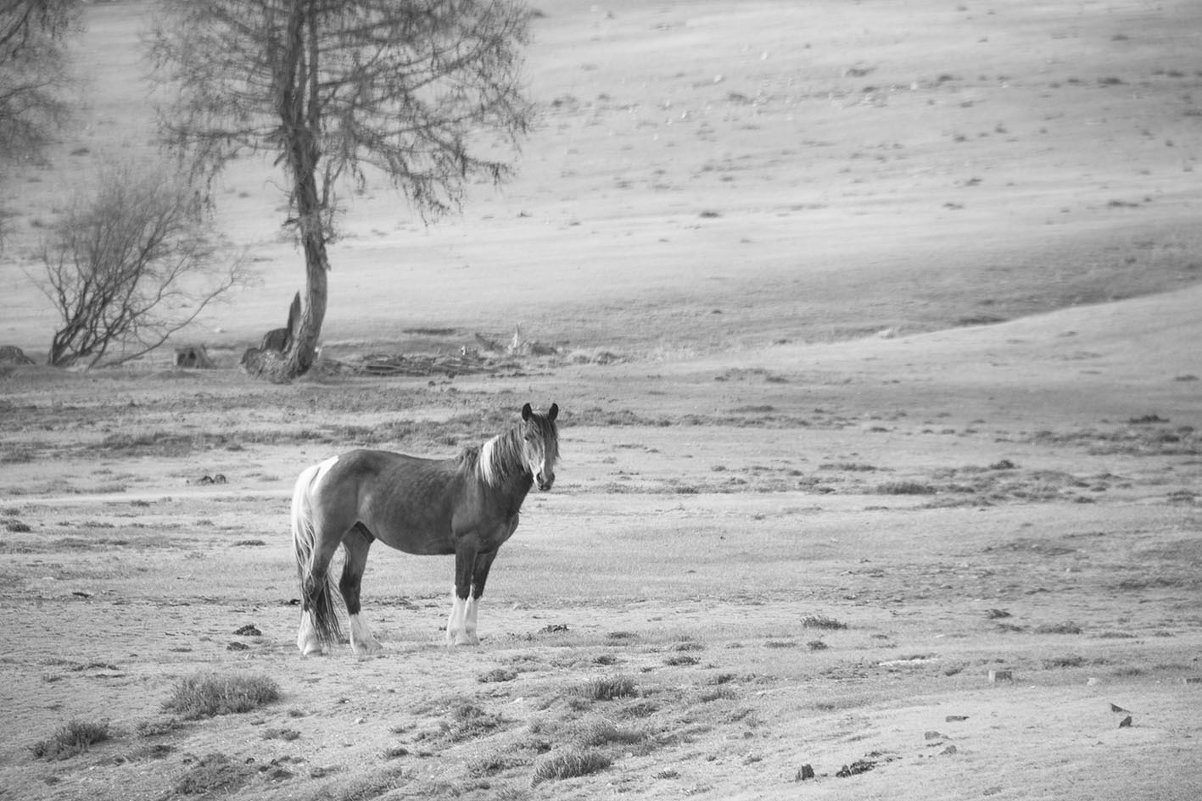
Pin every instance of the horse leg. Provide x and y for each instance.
(315, 599)
(356, 544)
(479, 576)
(465, 560)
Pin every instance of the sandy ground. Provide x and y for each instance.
(876, 314)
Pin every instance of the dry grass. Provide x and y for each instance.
(569, 763)
(73, 738)
(822, 622)
(214, 773)
(206, 695)
(607, 688)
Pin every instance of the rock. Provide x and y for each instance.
(249, 630)
(237, 646)
(804, 772)
(956, 718)
(11, 354)
(1125, 723)
(1119, 709)
(1000, 675)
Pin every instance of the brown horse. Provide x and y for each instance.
(467, 506)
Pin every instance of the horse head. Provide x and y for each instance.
(540, 444)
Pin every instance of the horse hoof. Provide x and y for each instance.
(372, 648)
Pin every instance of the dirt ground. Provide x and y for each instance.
(874, 333)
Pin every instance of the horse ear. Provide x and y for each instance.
(553, 412)
(527, 412)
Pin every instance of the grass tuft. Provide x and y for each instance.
(569, 763)
(206, 695)
(73, 738)
(213, 773)
(469, 721)
(607, 688)
(822, 622)
(600, 731)
(905, 488)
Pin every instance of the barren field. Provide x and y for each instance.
(874, 327)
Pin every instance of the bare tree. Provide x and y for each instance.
(129, 265)
(33, 74)
(426, 92)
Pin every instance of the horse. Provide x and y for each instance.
(466, 505)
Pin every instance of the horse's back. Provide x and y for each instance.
(405, 501)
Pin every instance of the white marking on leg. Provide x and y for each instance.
(362, 641)
(455, 621)
(469, 621)
(307, 640)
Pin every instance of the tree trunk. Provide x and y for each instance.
(303, 352)
(301, 124)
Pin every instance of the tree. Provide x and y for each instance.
(33, 73)
(129, 265)
(424, 92)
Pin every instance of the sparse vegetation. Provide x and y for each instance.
(905, 488)
(716, 524)
(569, 763)
(607, 688)
(206, 695)
(214, 773)
(822, 622)
(71, 739)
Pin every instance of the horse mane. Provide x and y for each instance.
(501, 456)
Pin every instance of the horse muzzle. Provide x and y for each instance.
(544, 481)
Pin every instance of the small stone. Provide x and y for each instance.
(1000, 675)
(1119, 709)
(237, 646)
(932, 735)
(951, 749)
(1192, 680)
(803, 773)
(360, 720)
(956, 718)
(1125, 723)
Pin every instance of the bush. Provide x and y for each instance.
(129, 264)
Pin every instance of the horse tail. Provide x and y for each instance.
(317, 593)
